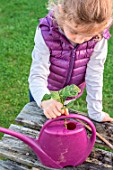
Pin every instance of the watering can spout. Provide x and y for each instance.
(34, 145)
(28, 140)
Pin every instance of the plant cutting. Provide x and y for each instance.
(62, 95)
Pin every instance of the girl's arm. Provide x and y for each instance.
(39, 68)
(94, 81)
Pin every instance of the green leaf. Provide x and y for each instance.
(46, 97)
(55, 95)
(69, 91)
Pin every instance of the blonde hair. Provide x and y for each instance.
(90, 14)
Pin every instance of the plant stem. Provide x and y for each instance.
(65, 123)
(61, 100)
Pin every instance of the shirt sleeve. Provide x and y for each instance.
(94, 81)
(39, 70)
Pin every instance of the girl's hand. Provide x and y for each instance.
(107, 118)
(53, 108)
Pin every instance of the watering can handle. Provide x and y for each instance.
(74, 116)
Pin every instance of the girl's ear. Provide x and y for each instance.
(60, 8)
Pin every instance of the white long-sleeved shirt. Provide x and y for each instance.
(94, 75)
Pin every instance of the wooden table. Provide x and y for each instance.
(18, 156)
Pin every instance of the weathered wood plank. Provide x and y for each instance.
(15, 150)
(10, 165)
(86, 166)
(32, 116)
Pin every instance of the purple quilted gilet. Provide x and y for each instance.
(68, 63)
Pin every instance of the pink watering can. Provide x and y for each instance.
(58, 146)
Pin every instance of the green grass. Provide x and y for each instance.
(18, 21)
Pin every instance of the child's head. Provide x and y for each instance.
(83, 19)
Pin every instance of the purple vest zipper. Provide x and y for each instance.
(71, 65)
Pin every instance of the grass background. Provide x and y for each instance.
(18, 22)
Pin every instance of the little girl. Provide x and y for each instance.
(71, 48)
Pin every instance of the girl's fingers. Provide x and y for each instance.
(47, 115)
(111, 119)
(51, 113)
(65, 111)
(59, 107)
(53, 109)
(56, 112)
(107, 118)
